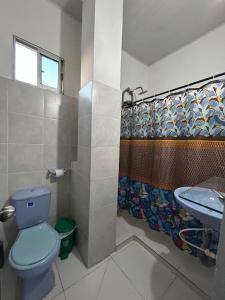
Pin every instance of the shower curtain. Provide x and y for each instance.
(169, 143)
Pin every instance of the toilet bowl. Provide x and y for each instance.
(37, 246)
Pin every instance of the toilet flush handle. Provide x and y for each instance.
(7, 212)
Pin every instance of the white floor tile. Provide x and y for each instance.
(149, 276)
(162, 245)
(88, 287)
(123, 231)
(199, 274)
(73, 269)
(115, 285)
(127, 226)
(9, 284)
(57, 288)
(61, 297)
(179, 290)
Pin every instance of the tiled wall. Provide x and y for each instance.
(95, 175)
(38, 130)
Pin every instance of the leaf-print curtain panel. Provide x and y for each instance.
(168, 143)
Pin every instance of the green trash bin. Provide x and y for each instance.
(66, 229)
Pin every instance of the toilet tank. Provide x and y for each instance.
(32, 206)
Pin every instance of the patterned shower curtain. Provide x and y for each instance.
(171, 142)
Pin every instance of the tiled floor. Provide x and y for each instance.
(148, 267)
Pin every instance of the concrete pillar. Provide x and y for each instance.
(95, 177)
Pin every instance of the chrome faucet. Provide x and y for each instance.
(7, 212)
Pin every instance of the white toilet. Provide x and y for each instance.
(37, 244)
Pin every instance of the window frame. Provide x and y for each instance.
(40, 52)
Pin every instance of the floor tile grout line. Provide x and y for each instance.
(59, 277)
(88, 273)
(103, 277)
(175, 271)
(130, 281)
(172, 282)
(62, 291)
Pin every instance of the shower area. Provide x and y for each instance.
(170, 140)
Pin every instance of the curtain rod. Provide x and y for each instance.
(178, 88)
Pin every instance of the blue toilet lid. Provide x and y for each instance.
(34, 244)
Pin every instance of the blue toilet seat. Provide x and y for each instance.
(33, 246)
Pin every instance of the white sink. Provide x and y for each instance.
(209, 218)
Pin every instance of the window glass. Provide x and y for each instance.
(49, 72)
(26, 63)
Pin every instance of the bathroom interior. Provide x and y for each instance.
(112, 115)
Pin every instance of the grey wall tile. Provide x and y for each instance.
(96, 252)
(63, 206)
(25, 129)
(106, 131)
(25, 99)
(73, 133)
(53, 205)
(52, 218)
(56, 157)
(84, 160)
(105, 162)
(56, 132)
(3, 126)
(73, 154)
(60, 187)
(85, 100)
(25, 158)
(19, 181)
(35, 142)
(102, 239)
(84, 131)
(82, 245)
(80, 186)
(3, 189)
(3, 158)
(3, 93)
(103, 192)
(74, 109)
(57, 106)
(103, 220)
(106, 100)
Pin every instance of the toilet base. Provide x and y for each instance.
(37, 288)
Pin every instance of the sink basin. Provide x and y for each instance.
(209, 218)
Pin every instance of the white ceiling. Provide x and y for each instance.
(153, 29)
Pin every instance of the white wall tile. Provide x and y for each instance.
(84, 131)
(104, 192)
(3, 189)
(3, 126)
(84, 160)
(106, 131)
(25, 129)
(25, 99)
(18, 181)
(22, 158)
(3, 93)
(105, 162)
(85, 100)
(106, 101)
(3, 158)
(56, 132)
